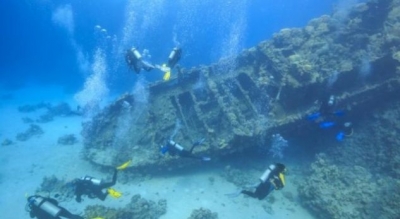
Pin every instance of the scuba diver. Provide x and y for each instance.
(174, 148)
(93, 187)
(328, 117)
(47, 208)
(272, 179)
(135, 62)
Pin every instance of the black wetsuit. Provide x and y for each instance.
(273, 182)
(85, 186)
(38, 212)
(136, 64)
(173, 150)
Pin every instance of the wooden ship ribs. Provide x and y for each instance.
(265, 90)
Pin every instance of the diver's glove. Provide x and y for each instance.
(164, 149)
(340, 136)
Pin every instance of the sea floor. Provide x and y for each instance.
(25, 163)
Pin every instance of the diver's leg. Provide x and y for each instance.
(109, 184)
(191, 149)
(263, 190)
(102, 195)
(185, 153)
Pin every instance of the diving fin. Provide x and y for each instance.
(199, 142)
(114, 193)
(235, 194)
(124, 165)
(282, 178)
(167, 76)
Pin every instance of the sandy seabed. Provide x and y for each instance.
(25, 163)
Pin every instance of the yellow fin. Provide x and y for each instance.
(282, 177)
(124, 165)
(167, 76)
(114, 193)
(98, 218)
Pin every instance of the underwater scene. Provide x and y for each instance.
(200, 109)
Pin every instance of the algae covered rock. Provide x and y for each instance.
(138, 208)
(6, 142)
(56, 188)
(69, 139)
(334, 191)
(203, 213)
(33, 130)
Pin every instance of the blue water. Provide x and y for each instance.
(38, 48)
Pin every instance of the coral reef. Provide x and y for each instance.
(203, 213)
(363, 173)
(334, 190)
(67, 140)
(138, 208)
(57, 188)
(61, 109)
(7, 142)
(33, 130)
(32, 108)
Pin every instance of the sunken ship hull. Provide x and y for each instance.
(267, 89)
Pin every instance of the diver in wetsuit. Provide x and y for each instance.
(93, 187)
(47, 208)
(174, 148)
(328, 117)
(135, 62)
(272, 179)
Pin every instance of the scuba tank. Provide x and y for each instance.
(94, 181)
(46, 206)
(267, 173)
(174, 57)
(177, 146)
(331, 101)
(136, 53)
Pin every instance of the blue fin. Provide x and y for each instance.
(164, 149)
(340, 136)
(313, 116)
(325, 125)
(339, 113)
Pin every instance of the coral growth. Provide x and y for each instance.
(138, 208)
(67, 139)
(203, 213)
(33, 130)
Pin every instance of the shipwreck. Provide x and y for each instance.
(266, 89)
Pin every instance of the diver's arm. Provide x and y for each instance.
(147, 66)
